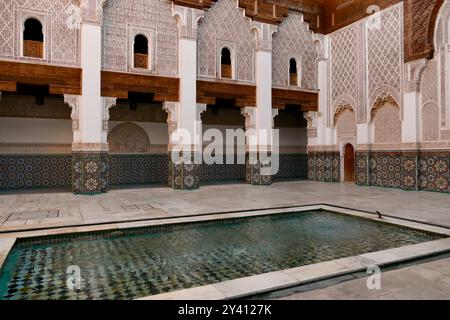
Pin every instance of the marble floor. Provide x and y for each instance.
(428, 281)
(42, 210)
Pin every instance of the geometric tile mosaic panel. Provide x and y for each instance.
(222, 172)
(293, 166)
(434, 171)
(134, 169)
(90, 172)
(324, 166)
(257, 169)
(35, 171)
(184, 175)
(412, 170)
(94, 173)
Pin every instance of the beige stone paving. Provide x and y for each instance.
(428, 281)
(73, 209)
(424, 281)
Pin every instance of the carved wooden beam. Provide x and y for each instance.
(197, 4)
(306, 101)
(243, 95)
(61, 80)
(268, 12)
(117, 84)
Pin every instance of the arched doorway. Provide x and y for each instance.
(349, 163)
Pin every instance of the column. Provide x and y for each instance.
(89, 147)
(412, 101)
(411, 132)
(320, 130)
(185, 127)
(261, 162)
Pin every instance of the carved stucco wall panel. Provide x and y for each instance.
(420, 18)
(346, 123)
(128, 138)
(155, 18)
(344, 67)
(366, 63)
(384, 55)
(430, 122)
(433, 84)
(61, 43)
(294, 40)
(387, 123)
(225, 23)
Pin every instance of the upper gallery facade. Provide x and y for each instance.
(93, 90)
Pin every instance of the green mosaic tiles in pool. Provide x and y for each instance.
(136, 263)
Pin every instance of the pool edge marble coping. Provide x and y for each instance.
(262, 283)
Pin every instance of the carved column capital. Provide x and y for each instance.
(172, 119)
(311, 118)
(172, 111)
(275, 113)
(413, 74)
(188, 20)
(201, 107)
(321, 47)
(249, 114)
(92, 11)
(263, 35)
(73, 101)
(108, 103)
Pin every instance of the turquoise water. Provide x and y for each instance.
(136, 263)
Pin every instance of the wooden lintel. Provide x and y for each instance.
(119, 84)
(8, 86)
(243, 94)
(63, 80)
(305, 99)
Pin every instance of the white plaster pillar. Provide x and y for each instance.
(73, 101)
(446, 75)
(187, 113)
(263, 74)
(411, 101)
(172, 121)
(260, 165)
(364, 134)
(108, 103)
(251, 144)
(324, 133)
(89, 114)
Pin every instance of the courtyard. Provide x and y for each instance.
(42, 213)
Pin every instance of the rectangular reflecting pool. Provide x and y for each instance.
(135, 263)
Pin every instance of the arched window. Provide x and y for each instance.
(141, 52)
(293, 72)
(33, 39)
(225, 64)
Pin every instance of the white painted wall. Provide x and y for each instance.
(187, 108)
(25, 130)
(91, 104)
(411, 117)
(47, 131)
(264, 117)
(157, 132)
